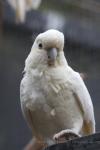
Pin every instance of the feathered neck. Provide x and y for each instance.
(37, 60)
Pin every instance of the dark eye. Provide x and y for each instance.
(40, 45)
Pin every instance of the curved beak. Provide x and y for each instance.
(52, 54)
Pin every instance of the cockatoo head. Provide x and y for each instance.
(46, 49)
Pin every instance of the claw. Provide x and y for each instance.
(66, 134)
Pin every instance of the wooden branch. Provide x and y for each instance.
(91, 142)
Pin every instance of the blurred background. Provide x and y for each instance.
(20, 22)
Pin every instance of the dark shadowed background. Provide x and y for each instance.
(80, 23)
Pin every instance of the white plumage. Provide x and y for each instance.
(54, 98)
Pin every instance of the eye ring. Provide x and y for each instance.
(40, 45)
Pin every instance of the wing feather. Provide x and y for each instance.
(83, 98)
(27, 113)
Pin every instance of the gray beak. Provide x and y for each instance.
(52, 54)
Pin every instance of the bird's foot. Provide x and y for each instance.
(65, 135)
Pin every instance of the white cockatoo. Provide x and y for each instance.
(54, 98)
(22, 6)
